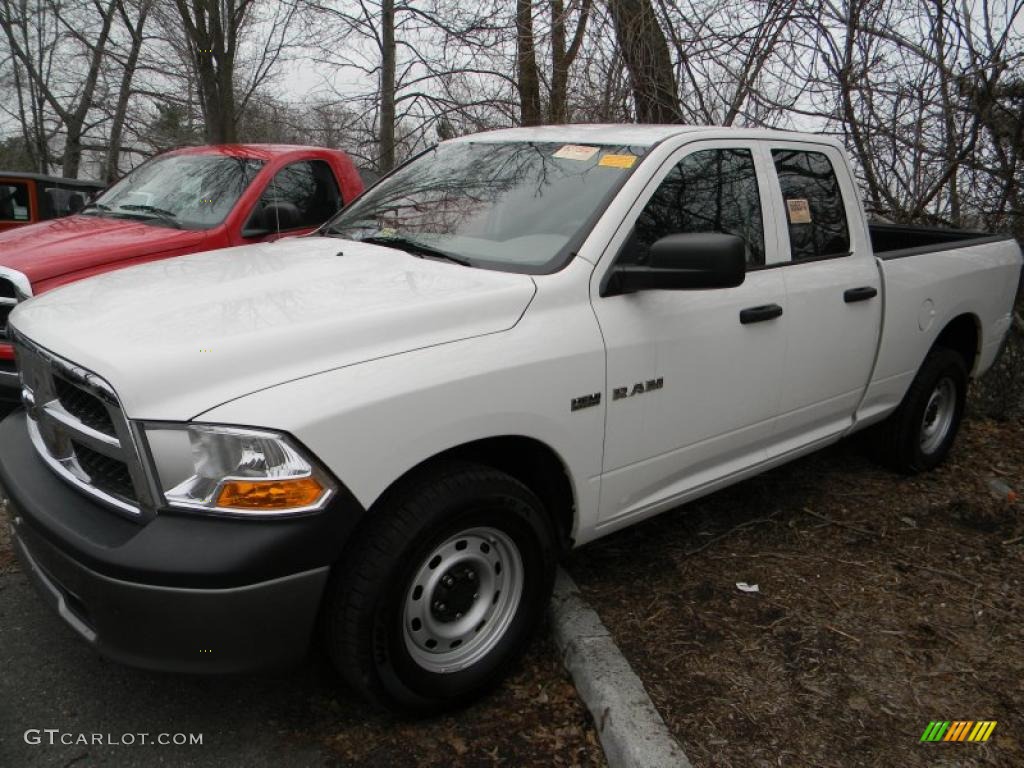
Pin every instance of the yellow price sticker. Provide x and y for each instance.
(618, 161)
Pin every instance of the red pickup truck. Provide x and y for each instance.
(183, 201)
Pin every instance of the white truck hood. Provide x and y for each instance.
(178, 337)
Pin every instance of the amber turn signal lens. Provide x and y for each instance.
(270, 494)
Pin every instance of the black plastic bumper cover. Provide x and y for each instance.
(181, 593)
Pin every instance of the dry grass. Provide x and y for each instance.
(885, 602)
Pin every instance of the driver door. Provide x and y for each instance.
(693, 391)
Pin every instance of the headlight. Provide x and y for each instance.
(235, 471)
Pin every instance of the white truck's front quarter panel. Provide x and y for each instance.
(370, 423)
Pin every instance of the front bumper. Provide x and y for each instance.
(182, 593)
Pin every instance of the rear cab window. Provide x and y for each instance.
(14, 201)
(813, 205)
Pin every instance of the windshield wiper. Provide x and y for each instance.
(97, 206)
(160, 213)
(415, 247)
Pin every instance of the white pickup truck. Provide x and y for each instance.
(514, 344)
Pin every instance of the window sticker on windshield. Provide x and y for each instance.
(799, 211)
(618, 161)
(575, 152)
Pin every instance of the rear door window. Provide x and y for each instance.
(813, 203)
(712, 190)
(14, 201)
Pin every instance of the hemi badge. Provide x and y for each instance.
(586, 401)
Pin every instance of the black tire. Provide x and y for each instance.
(366, 609)
(900, 440)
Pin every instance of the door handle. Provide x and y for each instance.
(760, 314)
(859, 294)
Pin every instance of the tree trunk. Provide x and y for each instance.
(648, 62)
(526, 64)
(211, 27)
(76, 120)
(110, 167)
(562, 59)
(387, 86)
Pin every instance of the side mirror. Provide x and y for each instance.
(257, 225)
(251, 231)
(272, 218)
(684, 262)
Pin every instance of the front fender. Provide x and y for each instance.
(372, 422)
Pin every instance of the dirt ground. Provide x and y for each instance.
(884, 602)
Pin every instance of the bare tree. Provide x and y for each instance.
(646, 55)
(452, 65)
(20, 22)
(387, 85)
(216, 31)
(562, 57)
(135, 28)
(526, 65)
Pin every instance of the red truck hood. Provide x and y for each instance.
(52, 248)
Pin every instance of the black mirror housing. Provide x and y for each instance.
(252, 232)
(688, 261)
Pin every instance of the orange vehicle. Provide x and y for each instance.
(27, 198)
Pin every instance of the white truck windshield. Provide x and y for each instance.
(517, 206)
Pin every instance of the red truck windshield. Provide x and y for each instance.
(184, 191)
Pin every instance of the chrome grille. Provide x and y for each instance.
(79, 429)
(109, 475)
(88, 409)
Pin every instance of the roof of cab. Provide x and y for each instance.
(635, 135)
(259, 151)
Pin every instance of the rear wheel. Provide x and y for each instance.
(920, 433)
(441, 591)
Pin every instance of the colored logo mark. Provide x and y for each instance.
(958, 730)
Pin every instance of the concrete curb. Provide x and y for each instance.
(632, 732)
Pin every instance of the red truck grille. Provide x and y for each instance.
(8, 298)
(14, 287)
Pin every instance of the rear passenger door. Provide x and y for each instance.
(833, 294)
(692, 391)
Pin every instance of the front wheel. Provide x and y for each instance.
(920, 433)
(442, 589)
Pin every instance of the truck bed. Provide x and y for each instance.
(892, 241)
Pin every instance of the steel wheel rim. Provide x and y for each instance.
(938, 415)
(475, 610)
